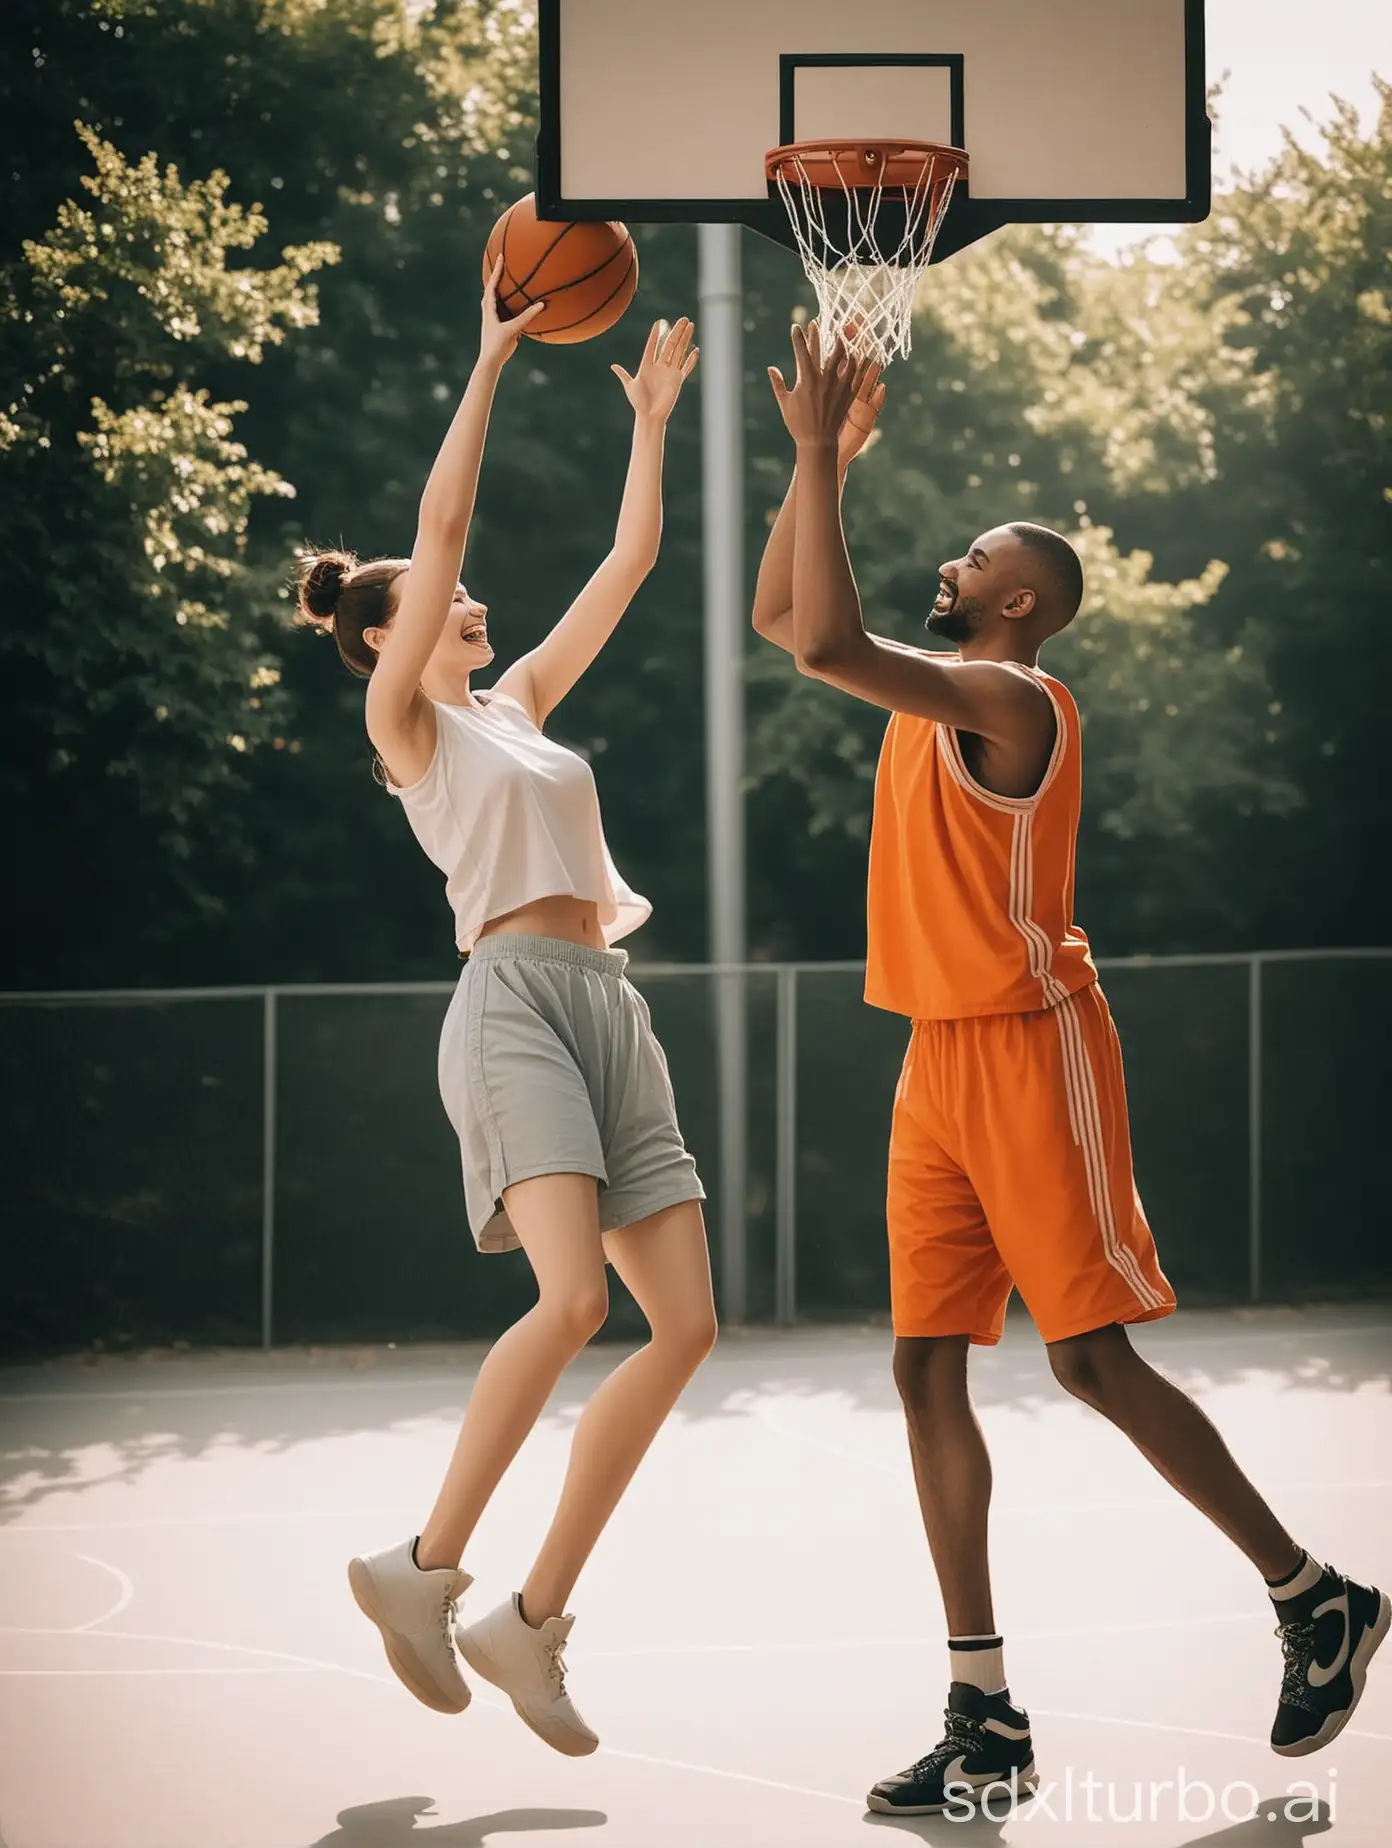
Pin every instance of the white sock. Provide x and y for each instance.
(979, 1660)
(1305, 1577)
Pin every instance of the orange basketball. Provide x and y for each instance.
(585, 273)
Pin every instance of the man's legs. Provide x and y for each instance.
(1330, 1626)
(1056, 1181)
(952, 1471)
(948, 1286)
(986, 1746)
(1104, 1371)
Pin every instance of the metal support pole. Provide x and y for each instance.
(268, 1161)
(1254, 1129)
(785, 1165)
(720, 330)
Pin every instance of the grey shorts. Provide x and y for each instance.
(549, 1065)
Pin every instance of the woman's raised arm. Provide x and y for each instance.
(395, 705)
(541, 679)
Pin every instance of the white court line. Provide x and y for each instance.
(203, 1642)
(310, 1664)
(739, 1777)
(676, 1764)
(275, 1517)
(902, 1474)
(63, 1673)
(909, 1642)
(669, 1764)
(692, 1649)
(1194, 1732)
(241, 1518)
(119, 1394)
(1225, 1339)
(127, 1593)
(798, 1790)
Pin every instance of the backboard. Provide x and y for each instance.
(1070, 110)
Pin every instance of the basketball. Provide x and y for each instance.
(585, 273)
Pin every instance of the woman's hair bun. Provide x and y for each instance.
(322, 576)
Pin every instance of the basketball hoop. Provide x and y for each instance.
(866, 215)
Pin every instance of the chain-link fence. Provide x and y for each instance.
(273, 1164)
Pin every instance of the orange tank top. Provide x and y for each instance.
(971, 893)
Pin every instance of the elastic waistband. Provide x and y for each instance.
(503, 948)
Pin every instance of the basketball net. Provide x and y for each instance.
(866, 216)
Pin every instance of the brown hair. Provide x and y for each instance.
(342, 597)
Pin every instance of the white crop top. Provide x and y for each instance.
(509, 816)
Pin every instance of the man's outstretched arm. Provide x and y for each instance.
(773, 592)
(830, 641)
(773, 589)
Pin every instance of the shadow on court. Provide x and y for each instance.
(938, 1831)
(401, 1820)
(1270, 1826)
(68, 1424)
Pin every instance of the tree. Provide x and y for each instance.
(1196, 412)
(1243, 390)
(340, 123)
(1295, 262)
(137, 670)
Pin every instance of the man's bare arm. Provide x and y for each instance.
(773, 589)
(988, 698)
(773, 592)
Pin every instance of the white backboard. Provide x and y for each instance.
(1076, 110)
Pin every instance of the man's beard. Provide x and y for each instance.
(959, 622)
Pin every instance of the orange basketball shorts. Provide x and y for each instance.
(1010, 1166)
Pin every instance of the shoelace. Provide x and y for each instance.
(963, 1735)
(1298, 1645)
(556, 1652)
(447, 1619)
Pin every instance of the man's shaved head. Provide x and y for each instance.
(1025, 577)
(1063, 569)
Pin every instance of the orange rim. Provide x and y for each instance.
(901, 165)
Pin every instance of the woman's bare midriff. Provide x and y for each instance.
(573, 920)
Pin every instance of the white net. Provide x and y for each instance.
(865, 247)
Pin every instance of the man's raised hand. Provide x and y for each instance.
(816, 405)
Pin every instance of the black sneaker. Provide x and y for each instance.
(985, 1752)
(1329, 1634)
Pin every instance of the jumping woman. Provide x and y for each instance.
(549, 1069)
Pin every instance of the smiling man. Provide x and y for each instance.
(1010, 1153)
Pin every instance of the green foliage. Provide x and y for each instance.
(1296, 267)
(344, 126)
(139, 667)
(1170, 721)
(1214, 429)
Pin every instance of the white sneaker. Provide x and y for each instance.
(415, 1611)
(526, 1664)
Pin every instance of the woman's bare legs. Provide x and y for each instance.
(556, 1217)
(664, 1262)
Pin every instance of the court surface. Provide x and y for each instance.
(758, 1637)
